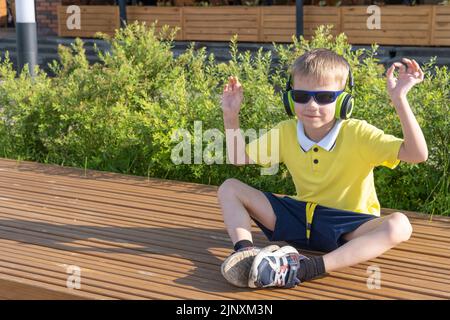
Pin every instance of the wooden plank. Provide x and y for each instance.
(279, 32)
(278, 10)
(95, 28)
(363, 19)
(441, 34)
(280, 25)
(279, 18)
(442, 25)
(92, 16)
(391, 10)
(389, 26)
(442, 41)
(218, 37)
(213, 17)
(82, 34)
(387, 41)
(314, 10)
(133, 10)
(110, 10)
(227, 10)
(158, 21)
(218, 24)
(440, 20)
(387, 33)
(223, 31)
(442, 10)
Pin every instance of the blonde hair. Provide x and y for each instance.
(323, 65)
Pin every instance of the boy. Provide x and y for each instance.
(331, 162)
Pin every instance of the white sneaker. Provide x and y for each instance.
(275, 269)
(236, 268)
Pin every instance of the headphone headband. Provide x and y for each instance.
(351, 83)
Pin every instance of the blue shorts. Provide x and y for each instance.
(326, 230)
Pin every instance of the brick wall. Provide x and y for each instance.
(46, 16)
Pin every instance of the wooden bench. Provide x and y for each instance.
(138, 238)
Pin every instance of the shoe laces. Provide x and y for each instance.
(281, 272)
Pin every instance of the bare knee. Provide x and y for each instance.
(227, 188)
(399, 228)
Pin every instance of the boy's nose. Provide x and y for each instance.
(312, 105)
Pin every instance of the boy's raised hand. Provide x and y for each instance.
(407, 78)
(232, 97)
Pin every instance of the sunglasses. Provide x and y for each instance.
(321, 97)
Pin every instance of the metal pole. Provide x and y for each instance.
(123, 13)
(299, 17)
(26, 35)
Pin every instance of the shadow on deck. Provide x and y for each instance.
(138, 238)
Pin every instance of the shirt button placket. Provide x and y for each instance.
(315, 160)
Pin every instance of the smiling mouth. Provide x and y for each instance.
(311, 116)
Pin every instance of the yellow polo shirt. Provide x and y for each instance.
(341, 178)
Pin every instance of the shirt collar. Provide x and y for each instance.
(326, 143)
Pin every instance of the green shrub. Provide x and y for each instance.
(119, 115)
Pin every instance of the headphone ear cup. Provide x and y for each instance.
(349, 103)
(289, 105)
(344, 106)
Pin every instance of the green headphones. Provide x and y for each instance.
(344, 102)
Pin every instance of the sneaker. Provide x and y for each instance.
(236, 268)
(275, 269)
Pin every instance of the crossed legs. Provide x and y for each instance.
(240, 202)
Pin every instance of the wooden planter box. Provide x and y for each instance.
(94, 19)
(253, 24)
(400, 25)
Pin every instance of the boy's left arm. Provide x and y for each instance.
(414, 148)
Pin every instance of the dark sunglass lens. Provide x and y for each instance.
(300, 96)
(325, 97)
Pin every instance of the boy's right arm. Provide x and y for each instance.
(231, 103)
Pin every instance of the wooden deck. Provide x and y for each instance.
(139, 238)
